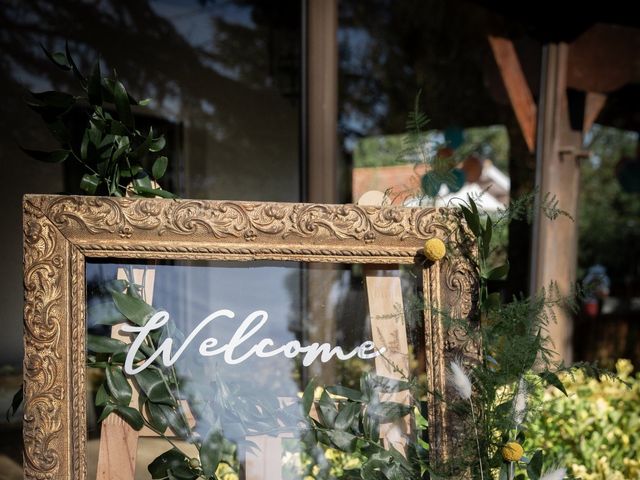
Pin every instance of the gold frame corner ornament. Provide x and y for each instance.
(61, 232)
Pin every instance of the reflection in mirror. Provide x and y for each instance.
(217, 363)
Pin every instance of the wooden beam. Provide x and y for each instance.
(322, 84)
(604, 59)
(594, 103)
(555, 242)
(517, 88)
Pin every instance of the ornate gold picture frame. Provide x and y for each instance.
(61, 232)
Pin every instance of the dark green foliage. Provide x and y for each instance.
(115, 156)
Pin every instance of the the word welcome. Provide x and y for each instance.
(247, 329)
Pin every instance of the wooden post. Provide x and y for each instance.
(554, 247)
(322, 82)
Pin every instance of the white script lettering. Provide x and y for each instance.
(249, 327)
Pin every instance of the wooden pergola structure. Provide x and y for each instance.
(589, 56)
(577, 77)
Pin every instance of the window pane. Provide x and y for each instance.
(240, 344)
(224, 77)
(392, 51)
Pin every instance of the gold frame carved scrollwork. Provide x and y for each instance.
(60, 232)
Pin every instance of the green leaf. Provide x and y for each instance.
(211, 452)
(59, 131)
(153, 192)
(473, 206)
(89, 183)
(108, 409)
(307, 397)
(327, 409)
(102, 397)
(346, 392)
(342, 440)
(347, 415)
(498, 273)
(100, 344)
(130, 415)
(387, 411)
(16, 401)
(152, 383)
(142, 149)
(58, 58)
(104, 313)
(493, 301)
(534, 468)
(371, 427)
(74, 67)
(136, 310)
(121, 100)
(366, 387)
(486, 237)
(504, 471)
(170, 465)
(383, 384)
(553, 380)
(57, 156)
(118, 385)
(94, 87)
(157, 144)
(159, 167)
(473, 220)
(119, 358)
(58, 100)
(158, 416)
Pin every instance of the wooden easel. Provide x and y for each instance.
(119, 441)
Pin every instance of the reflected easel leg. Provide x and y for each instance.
(388, 329)
(118, 440)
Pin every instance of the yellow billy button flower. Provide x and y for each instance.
(434, 249)
(512, 452)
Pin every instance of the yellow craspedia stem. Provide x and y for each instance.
(512, 452)
(434, 249)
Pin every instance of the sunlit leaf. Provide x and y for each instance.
(134, 309)
(553, 380)
(130, 415)
(152, 383)
(89, 183)
(100, 344)
(118, 385)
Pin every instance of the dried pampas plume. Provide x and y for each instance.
(460, 380)
(520, 403)
(557, 474)
(462, 384)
